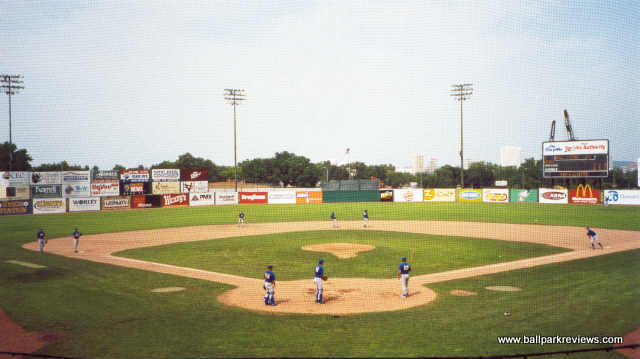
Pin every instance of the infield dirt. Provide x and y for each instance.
(344, 295)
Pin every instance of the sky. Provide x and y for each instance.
(139, 82)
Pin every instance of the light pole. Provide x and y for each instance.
(11, 84)
(235, 97)
(461, 92)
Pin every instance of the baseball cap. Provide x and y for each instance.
(269, 266)
(321, 261)
(404, 258)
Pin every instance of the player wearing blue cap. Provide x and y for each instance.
(241, 217)
(365, 218)
(403, 273)
(318, 272)
(593, 237)
(334, 219)
(76, 238)
(41, 240)
(269, 286)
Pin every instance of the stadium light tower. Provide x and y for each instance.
(461, 92)
(11, 84)
(235, 97)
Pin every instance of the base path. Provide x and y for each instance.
(344, 295)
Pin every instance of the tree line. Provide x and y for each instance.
(288, 169)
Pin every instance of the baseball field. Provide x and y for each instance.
(472, 263)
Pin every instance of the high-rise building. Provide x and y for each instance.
(418, 163)
(432, 166)
(509, 156)
(467, 162)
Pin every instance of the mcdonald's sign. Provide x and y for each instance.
(584, 194)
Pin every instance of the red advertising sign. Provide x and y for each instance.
(175, 200)
(252, 197)
(198, 174)
(584, 195)
(138, 202)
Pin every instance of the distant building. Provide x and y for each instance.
(432, 166)
(625, 166)
(467, 162)
(509, 156)
(418, 163)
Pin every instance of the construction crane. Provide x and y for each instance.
(567, 125)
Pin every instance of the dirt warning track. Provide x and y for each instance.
(343, 295)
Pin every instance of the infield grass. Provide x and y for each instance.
(248, 256)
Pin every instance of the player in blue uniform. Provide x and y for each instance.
(334, 219)
(241, 217)
(593, 237)
(76, 239)
(365, 218)
(41, 240)
(403, 273)
(318, 273)
(269, 286)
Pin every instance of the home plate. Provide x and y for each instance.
(26, 264)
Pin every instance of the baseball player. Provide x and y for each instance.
(269, 286)
(365, 218)
(76, 238)
(41, 240)
(318, 272)
(593, 237)
(241, 217)
(334, 219)
(403, 273)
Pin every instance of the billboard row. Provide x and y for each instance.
(46, 191)
(305, 197)
(45, 178)
(49, 205)
(15, 193)
(175, 200)
(550, 195)
(194, 186)
(105, 187)
(76, 184)
(84, 204)
(142, 201)
(135, 176)
(109, 203)
(408, 195)
(495, 195)
(165, 175)
(622, 196)
(202, 199)
(165, 187)
(282, 197)
(469, 195)
(386, 195)
(226, 197)
(523, 195)
(200, 174)
(15, 178)
(439, 194)
(252, 197)
(584, 194)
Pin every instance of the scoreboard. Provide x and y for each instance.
(575, 159)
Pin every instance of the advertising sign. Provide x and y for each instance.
(42, 178)
(408, 195)
(194, 186)
(106, 174)
(282, 197)
(550, 195)
(135, 188)
(495, 195)
(226, 197)
(199, 174)
(439, 194)
(175, 200)
(105, 187)
(46, 191)
(49, 205)
(11, 193)
(15, 178)
(76, 184)
(252, 197)
(305, 197)
(134, 175)
(202, 199)
(622, 196)
(165, 175)
(116, 203)
(165, 187)
(469, 195)
(142, 201)
(523, 195)
(84, 204)
(9, 208)
(584, 194)
(386, 195)
(589, 158)
(501, 183)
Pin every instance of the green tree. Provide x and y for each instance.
(20, 159)
(60, 166)
(284, 169)
(188, 161)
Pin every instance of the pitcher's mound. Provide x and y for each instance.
(340, 250)
(168, 289)
(503, 288)
(462, 293)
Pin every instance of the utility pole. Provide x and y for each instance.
(11, 84)
(461, 92)
(235, 97)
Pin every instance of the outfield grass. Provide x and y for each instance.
(104, 311)
(248, 256)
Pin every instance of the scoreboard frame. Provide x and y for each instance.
(572, 151)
